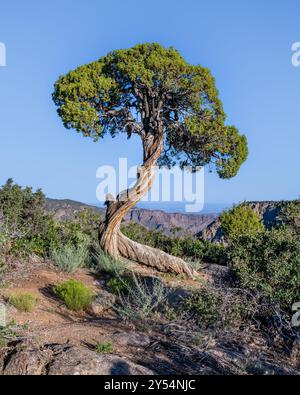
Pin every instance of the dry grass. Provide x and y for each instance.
(24, 301)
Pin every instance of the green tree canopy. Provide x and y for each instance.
(138, 89)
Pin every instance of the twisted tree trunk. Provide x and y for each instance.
(114, 243)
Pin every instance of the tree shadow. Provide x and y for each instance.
(120, 368)
(68, 315)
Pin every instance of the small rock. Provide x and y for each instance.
(132, 339)
(103, 301)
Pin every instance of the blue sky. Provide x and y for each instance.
(246, 44)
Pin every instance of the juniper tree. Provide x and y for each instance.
(173, 106)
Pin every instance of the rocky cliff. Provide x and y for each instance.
(206, 226)
(151, 219)
(268, 212)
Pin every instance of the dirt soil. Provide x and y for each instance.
(163, 347)
(52, 322)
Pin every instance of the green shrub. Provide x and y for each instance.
(107, 264)
(214, 253)
(193, 248)
(237, 313)
(24, 301)
(75, 294)
(7, 333)
(88, 222)
(24, 247)
(289, 215)
(104, 348)
(118, 285)
(26, 229)
(241, 221)
(176, 247)
(205, 306)
(269, 263)
(69, 258)
(22, 220)
(67, 233)
(22, 209)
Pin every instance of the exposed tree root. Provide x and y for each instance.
(153, 257)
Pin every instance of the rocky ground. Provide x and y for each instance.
(52, 340)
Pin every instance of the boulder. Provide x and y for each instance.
(27, 361)
(66, 359)
(103, 302)
(80, 361)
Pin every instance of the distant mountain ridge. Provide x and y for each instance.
(206, 226)
(152, 219)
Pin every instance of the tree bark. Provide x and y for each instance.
(117, 245)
